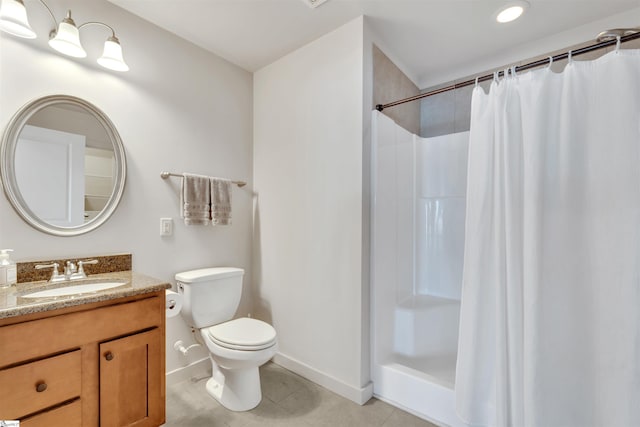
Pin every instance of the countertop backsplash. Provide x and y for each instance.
(106, 264)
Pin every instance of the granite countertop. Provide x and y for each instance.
(12, 302)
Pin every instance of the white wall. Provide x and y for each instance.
(178, 109)
(308, 218)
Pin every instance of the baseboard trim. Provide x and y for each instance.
(199, 368)
(355, 394)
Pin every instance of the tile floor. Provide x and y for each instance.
(287, 400)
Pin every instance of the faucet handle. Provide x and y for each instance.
(81, 265)
(55, 275)
(55, 266)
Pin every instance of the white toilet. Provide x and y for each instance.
(237, 347)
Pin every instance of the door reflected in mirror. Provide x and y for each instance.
(71, 148)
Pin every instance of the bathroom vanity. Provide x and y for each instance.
(75, 350)
(91, 359)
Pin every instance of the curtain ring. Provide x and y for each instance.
(550, 62)
(495, 76)
(618, 38)
(476, 81)
(513, 71)
(569, 58)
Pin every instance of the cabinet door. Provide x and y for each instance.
(131, 381)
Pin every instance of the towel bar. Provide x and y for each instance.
(165, 175)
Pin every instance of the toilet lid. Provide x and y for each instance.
(243, 334)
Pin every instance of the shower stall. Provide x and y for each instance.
(418, 215)
(548, 330)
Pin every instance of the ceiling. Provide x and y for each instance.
(424, 37)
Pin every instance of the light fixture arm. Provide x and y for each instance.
(55, 22)
(112, 56)
(113, 32)
(53, 17)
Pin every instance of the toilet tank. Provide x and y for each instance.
(210, 295)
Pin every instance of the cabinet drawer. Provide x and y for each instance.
(58, 379)
(69, 415)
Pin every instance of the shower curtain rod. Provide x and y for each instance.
(524, 67)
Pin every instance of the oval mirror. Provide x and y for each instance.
(63, 165)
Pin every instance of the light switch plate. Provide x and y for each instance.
(166, 226)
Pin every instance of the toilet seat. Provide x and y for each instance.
(243, 334)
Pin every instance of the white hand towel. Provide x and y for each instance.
(220, 201)
(195, 199)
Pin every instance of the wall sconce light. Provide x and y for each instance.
(65, 39)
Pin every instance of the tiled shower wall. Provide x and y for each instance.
(391, 84)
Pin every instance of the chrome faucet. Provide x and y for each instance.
(71, 271)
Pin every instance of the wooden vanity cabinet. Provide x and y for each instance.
(99, 364)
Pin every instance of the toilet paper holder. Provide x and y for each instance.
(173, 303)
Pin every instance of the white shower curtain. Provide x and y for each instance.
(550, 321)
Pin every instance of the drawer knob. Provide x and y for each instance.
(40, 387)
(108, 356)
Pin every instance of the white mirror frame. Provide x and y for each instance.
(7, 166)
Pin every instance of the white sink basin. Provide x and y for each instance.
(75, 290)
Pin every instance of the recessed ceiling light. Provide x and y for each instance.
(511, 11)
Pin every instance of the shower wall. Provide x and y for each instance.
(391, 84)
(441, 166)
(447, 112)
(442, 173)
(394, 211)
(418, 187)
(421, 185)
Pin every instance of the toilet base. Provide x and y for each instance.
(235, 389)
